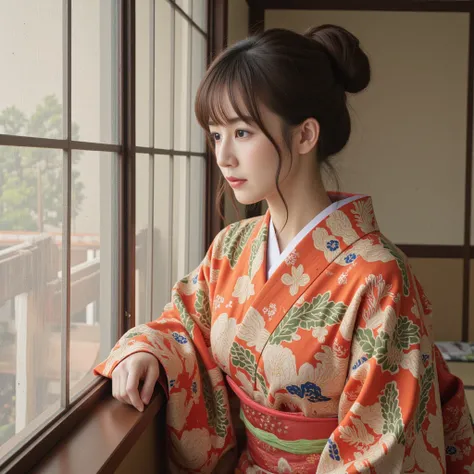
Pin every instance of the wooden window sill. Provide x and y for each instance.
(102, 440)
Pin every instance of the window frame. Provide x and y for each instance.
(27, 454)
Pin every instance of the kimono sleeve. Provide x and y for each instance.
(198, 417)
(185, 319)
(390, 414)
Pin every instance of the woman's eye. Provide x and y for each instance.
(215, 136)
(242, 133)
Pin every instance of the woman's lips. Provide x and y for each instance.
(236, 182)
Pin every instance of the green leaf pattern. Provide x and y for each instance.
(203, 307)
(319, 312)
(243, 358)
(256, 244)
(235, 241)
(263, 384)
(401, 264)
(391, 412)
(183, 313)
(426, 384)
(384, 346)
(365, 337)
(222, 420)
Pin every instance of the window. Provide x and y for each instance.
(64, 243)
(171, 59)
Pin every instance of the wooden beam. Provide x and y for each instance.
(468, 185)
(369, 5)
(218, 18)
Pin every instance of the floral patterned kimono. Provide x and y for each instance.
(331, 358)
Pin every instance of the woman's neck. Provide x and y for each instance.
(304, 201)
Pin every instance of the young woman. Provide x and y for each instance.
(308, 314)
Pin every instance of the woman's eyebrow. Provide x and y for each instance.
(247, 119)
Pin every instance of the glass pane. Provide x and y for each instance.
(94, 71)
(180, 254)
(185, 5)
(143, 67)
(197, 210)
(200, 13)
(162, 238)
(199, 68)
(163, 30)
(32, 93)
(93, 253)
(181, 83)
(31, 216)
(142, 257)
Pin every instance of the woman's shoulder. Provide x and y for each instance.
(374, 254)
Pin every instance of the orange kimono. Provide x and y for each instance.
(332, 358)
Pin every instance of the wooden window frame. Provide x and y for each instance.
(53, 441)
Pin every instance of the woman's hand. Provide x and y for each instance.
(127, 376)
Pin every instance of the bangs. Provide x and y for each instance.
(228, 80)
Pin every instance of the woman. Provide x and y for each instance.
(308, 314)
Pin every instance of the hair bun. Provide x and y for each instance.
(351, 63)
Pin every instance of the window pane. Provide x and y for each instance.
(32, 94)
(199, 68)
(142, 257)
(163, 29)
(181, 83)
(143, 68)
(162, 237)
(94, 71)
(181, 202)
(197, 210)
(200, 13)
(93, 253)
(31, 203)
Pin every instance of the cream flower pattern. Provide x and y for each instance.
(244, 289)
(297, 278)
(342, 331)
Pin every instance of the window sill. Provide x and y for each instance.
(102, 440)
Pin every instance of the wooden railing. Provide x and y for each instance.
(31, 283)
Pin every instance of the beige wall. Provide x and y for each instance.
(407, 149)
(442, 280)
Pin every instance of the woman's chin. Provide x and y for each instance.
(246, 200)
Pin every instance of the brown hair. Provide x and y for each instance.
(295, 76)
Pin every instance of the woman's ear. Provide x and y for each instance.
(307, 136)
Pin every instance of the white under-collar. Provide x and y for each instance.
(275, 258)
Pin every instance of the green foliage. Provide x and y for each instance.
(24, 169)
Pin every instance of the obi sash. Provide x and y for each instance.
(277, 440)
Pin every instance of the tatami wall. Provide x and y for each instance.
(408, 146)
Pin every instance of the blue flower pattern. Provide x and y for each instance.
(195, 279)
(179, 338)
(194, 387)
(172, 383)
(308, 390)
(350, 258)
(332, 245)
(451, 450)
(333, 450)
(359, 362)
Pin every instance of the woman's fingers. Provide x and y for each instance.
(131, 389)
(152, 373)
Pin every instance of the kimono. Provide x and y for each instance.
(331, 358)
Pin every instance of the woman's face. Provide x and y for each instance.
(247, 158)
